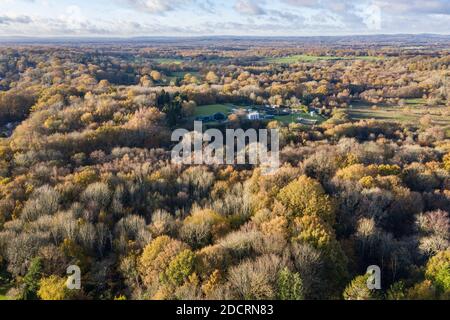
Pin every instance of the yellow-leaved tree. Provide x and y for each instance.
(306, 197)
(53, 288)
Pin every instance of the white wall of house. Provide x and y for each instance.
(253, 116)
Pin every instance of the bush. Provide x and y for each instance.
(422, 291)
(53, 288)
(397, 291)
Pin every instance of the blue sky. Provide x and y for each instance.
(221, 17)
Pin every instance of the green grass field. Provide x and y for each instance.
(293, 118)
(415, 101)
(410, 114)
(307, 58)
(211, 109)
(168, 60)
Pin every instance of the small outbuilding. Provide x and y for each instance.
(253, 116)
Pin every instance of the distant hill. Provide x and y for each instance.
(381, 39)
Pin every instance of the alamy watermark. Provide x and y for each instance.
(74, 280)
(238, 147)
(374, 279)
(371, 15)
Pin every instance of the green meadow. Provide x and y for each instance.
(211, 109)
(168, 60)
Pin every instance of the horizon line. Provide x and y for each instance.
(215, 36)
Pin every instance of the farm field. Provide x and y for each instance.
(409, 114)
(168, 60)
(307, 58)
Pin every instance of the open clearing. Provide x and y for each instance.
(409, 114)
(293, 118)
(415, 101)
(212, 109)
(208, 110)
(168, 60)
(308, 58)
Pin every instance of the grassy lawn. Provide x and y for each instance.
(411, 113)
(226, 108)
(293, 118)
(3, 290)
(212, 109)
(286, 119)
(168, 60)
(307, 58)
(415, 101)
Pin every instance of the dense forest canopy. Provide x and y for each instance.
(86, 177)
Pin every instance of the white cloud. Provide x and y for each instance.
(192, 17)
(415, 6)
(248, 7)
(157, 6)
(74, 17)
(13, 19)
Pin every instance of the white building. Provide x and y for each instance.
(253, 116)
